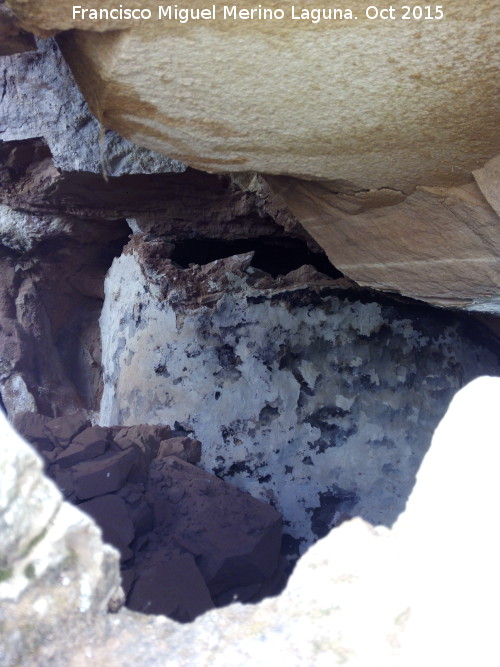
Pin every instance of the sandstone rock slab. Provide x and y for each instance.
(332, 101)
(439, 245)
(488, 179)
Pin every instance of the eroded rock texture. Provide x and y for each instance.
(317, 398)
(440, 245)
(40, 99)
(51, 290)
(398, 606)
(321, 101)
(56, 576)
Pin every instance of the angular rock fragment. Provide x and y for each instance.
(88, 444)
(31, 426)
(236, 539)
(185, 448)
(146, 437)
(111, 514)
(174, 588)
(62, 430)
(104, 474)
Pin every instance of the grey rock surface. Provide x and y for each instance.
(41, 99)
(320, 401)
(22, 232)
(55, 573)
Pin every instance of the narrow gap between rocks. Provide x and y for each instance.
(276, 256)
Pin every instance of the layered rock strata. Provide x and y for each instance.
(306, 393)
(440, 245)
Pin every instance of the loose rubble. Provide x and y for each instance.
(187, 540)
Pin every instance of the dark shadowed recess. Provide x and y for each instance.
(276, 256)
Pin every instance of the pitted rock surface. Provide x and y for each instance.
(306, 393)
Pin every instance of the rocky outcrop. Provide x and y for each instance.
(323, 100)
(51, 289)
(56, 576)
(40, 99)
(187, 540)
(307, 393)
(423, 593)
(440, 245)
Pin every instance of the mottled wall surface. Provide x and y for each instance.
(319, 400)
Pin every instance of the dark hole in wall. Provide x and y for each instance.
(334, 507)
(276, 256)
(2, 406)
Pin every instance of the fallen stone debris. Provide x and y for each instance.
(188, 542)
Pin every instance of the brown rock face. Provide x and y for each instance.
(187, 540)
(51, 288)
(174, 588)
